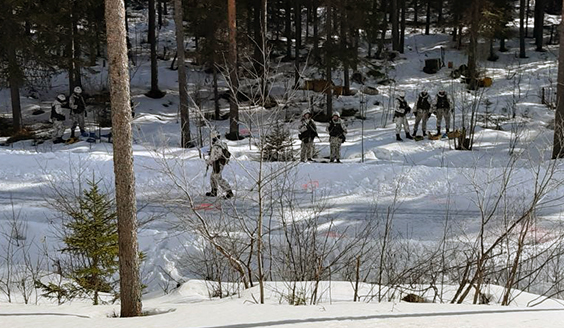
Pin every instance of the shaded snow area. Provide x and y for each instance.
(406, 220)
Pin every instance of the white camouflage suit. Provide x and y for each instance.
(400, 118)
(336, 128)
(57, 117)
(443, 107)
(422, 109)
(216, 161)
(309, 128)
(78, 112)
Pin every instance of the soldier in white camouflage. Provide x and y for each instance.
(308, 132)
(337, 131)
(443, 110)
(400, 118)
(78, 111)
(58, 118)
(422, 112)
(217, 161)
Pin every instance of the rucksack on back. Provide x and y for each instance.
(226, 154)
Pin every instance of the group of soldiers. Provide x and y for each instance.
(308, 132)
(77, 106)
(424, 108)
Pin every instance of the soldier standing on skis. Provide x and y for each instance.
(443, 110)
(58, 118)
(400, 118)
(337, 131)
(308, 132)
(78, 111)
(422, 113)
(219, 156)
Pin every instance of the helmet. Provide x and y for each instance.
(442, 93)
(424, 93)
(214, 135)
(61, 97)
(77, 89)
(401, 94)
(336, 114)
(306, 111)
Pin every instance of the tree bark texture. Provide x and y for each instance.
(130, 285)
(522, 52)
(328, 59)
(154, 92)
(395, 25)
(233, 107)
(14, 80)
(185, 141)
(558, 148)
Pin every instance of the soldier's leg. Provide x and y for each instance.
(222, 182)
(399, 123)
(406, 125)
(310, 150)
(214, 182)
(338, 149)
(303, 156)
(334, 142)
(447, 119)
(417, 120)
(81, 122)
(74, 119)
(425, 118)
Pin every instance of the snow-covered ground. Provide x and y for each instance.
(420, 181)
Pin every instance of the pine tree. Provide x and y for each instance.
(91, 239)
(278, 145)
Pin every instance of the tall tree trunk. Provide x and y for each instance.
(558, 147)
(154, 92)
(316, 55)
(185, 141)
(472, 47)
(345, 41)
(215, 91)
(395, 25)
(298, 22)
(539, 24)
(522, 53)
(440, 14)
(328, 59)
(428, 18)
(402, 32)
(130, 285)
(14, 80)
(384, 28)
(527, 18)
(288, 29)
(233, 76)
(160, 13)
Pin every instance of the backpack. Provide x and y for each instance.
(442, 102)
(226, 155)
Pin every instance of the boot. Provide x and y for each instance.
(331, 160)
(229, 194)
(415, 133)
(408, 136)
(212, 193)
(438, 131)
(398, 137)
(338, 160)
(72, 134)
(424, 133)
(447, 130)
